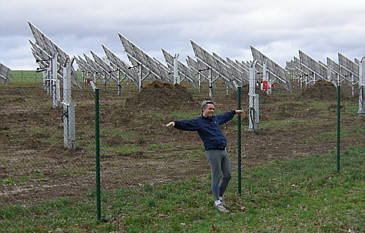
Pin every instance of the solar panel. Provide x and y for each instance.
(81, 67)
(277, 71)
(84, 64)
(194, 66)
(309, 62)
(209, 60)
(145, 72)
(4, 74)
(47, 45)
(104, 66)
(93, 64)
(183, 69)
(333, 66)
(136, 55)
(347, 66)
(295, 68)
(323, 70)
(311, 66)
(335, 71)
(118, 63)
(40, 52)
(239, 70)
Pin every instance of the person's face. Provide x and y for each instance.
(208, 111)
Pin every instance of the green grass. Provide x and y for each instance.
(166, 146)
(343, 133)
(25, 77)
(279, 124)
(23, 179)
(294, 195)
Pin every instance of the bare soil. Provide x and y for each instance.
(34, 166)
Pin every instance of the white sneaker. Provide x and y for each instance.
(223, 203)
(220, 207)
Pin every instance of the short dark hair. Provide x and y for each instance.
(205, 103)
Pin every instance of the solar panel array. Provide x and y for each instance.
(274, 69)
(104, 66)
(4, 74)
(44, 50)
(183, 70)
(197, 67)
(310, 66)
(48, 47)
(213, 63)
(136, 55)
(117, 63)
(348, 67)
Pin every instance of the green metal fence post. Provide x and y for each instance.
(338, 127)
(97, 150)
(239, 142)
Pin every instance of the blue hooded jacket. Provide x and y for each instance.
(208, 129)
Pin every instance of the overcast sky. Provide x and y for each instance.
(280, 28)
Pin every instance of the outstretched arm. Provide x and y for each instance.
(188, 125)
(223, 118)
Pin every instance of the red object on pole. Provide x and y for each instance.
(87, 80)
(264, 85)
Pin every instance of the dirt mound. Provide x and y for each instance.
(323, 84)
(160, 95)
(157, 84)
(321, 91)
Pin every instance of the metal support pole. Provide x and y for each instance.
(139, 78)
(210, 83)
(361, 111)
(53, 82)
(338, 127)
(97, 150)
(119, 82)
(239, 142)
(68, 110)
(352, 85)
(176, 72)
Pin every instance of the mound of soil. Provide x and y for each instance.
(322, 90)
(161, 95)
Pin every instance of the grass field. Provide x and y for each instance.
(157, 180)
(294, 195)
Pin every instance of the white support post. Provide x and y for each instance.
(361, 111)
(210, 80)
(253, 111)
(119, 82)
(227, 88)
(352, 85)
(54, 92)
(68, 110)
(139, 78)
(176, 70)
(314, 78)
(49, 78)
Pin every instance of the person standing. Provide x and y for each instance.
(207, 126)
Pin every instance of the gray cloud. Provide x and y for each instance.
(277, 28)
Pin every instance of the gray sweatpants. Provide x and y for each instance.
(219, 163)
